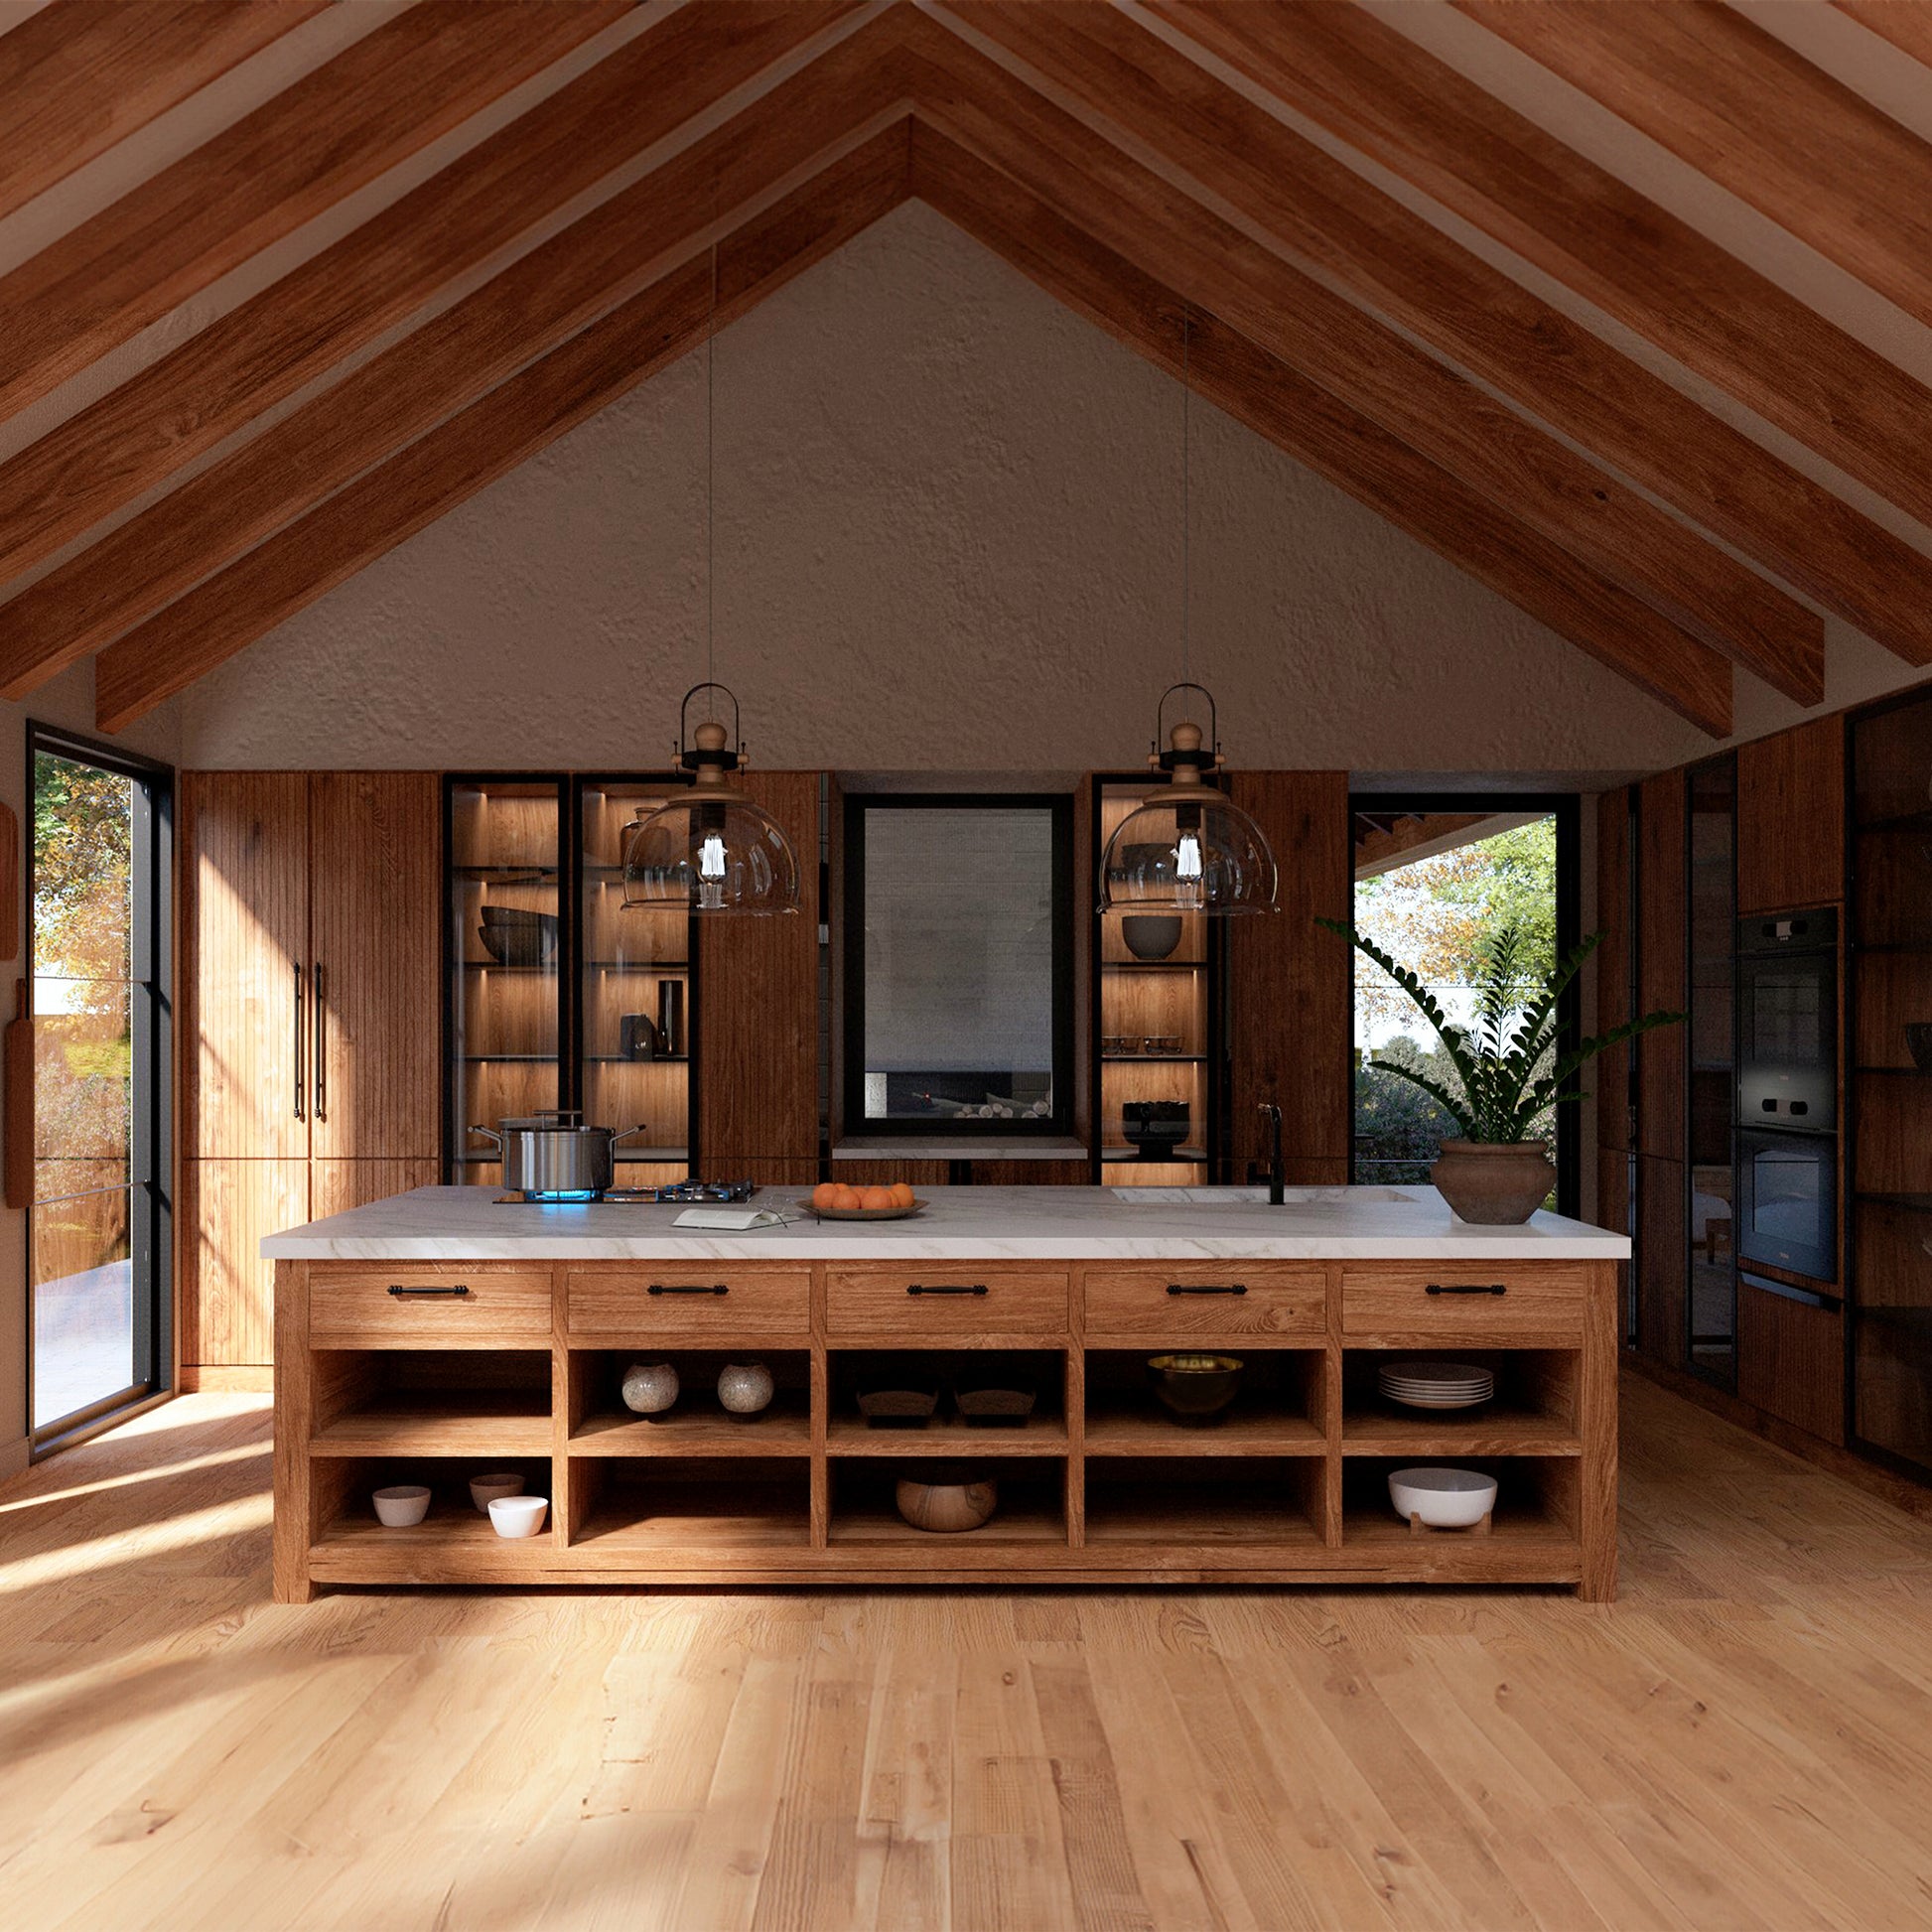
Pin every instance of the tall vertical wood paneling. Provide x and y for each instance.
(227, 1297)
(1662, 910)
(1609, 1078)
(758, 1012)
(1791, 818)
(1086, 888)
(1791, 1361)
(1290, 984)
(1661, 1260)
(244, 917)
(375, 883)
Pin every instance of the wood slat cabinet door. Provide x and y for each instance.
(244, 921)
(1663, 910)
(227, 1297)
(1791, 1360)
(1791, 818)
(374, 887)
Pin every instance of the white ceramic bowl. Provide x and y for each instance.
(402, 1507)
(483, 1490)
(1445, 1499)
(518, 1515)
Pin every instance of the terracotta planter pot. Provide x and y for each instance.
(1494, 1184)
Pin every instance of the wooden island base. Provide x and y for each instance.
(405, 1371)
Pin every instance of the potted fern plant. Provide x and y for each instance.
(1510, 1065)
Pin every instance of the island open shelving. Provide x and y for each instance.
(402, 1357)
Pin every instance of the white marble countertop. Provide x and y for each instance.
(958, 1224)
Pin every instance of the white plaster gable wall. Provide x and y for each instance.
(947, 538)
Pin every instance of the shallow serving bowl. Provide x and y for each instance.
(864, 1214)
(1196, 1387)
(1445, 1499)
(518, 1516)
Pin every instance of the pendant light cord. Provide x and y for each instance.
(711, 492)
(1186, 496)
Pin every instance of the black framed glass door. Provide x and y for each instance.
(99, 945)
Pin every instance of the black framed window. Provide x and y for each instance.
(960, 964)
(1466, 863)
(99, 946)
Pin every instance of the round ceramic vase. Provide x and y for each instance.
(649, 1387)
(745, 1388)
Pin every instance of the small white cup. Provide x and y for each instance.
(518, 1516)
(483, 1490)
(402, 1507)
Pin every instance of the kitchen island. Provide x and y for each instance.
(442, 1333)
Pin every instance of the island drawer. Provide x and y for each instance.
(947, 1298)
(691, 1298)
(428, 1305)
(1209, 1302)
(1466, 1297)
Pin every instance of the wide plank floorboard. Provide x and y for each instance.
(1743, 1740)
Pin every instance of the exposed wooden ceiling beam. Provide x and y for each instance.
(82, 75)
(540, 300)
(1705, 82)
(376, 102)
(1442, 415)
(301, 325)
(391, 502)
(1335, 62)
(1314, 427)
(1132, 86)
(1907, 23)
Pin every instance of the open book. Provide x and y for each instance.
(732, 1220)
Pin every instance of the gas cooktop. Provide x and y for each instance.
(677, 1191)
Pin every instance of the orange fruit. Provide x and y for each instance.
(877, 1197)
(825, 1194)
(845, 1198)
(902, 1194)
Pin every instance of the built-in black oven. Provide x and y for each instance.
(1787, 1200)
(1787, 1022)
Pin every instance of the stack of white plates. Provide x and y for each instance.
(1436, 1385)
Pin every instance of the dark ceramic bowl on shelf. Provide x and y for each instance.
(521, 945)
(1151, 935)
(1197, 1388)
(1156, 1126)
(904, 1405)
(1918, 1043)
(995, 1408)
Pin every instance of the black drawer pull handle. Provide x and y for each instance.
(457, 1293)
(959, 1288)
(1466, 1288)
(1207, 1288)
(687, 1288)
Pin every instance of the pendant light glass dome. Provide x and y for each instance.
(713, 850)
(1187, 846)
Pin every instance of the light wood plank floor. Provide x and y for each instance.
(1743, 1741)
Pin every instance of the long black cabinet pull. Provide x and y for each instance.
(687, 1288)
(457, 1293)
(301, 1040)
(945, 1288)
(1207, 1288)
(319, 980)
(1466, 1288)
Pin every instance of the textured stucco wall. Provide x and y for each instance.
(947, 538)
(68, 702)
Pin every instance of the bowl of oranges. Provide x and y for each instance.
(834, 1200)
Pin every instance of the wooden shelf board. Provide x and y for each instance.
(1153, 1060)
(477, 1421)
(679, 1521)
(1153, 965)
(1196, 1521)
(784, 1428)
(447, 1543)
(1128, 1426)
(1490, 1431)
(1026, 1523)
(947, 1437)
(1383, 1530)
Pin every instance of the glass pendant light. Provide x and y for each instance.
(1187, 846)
(714, 850)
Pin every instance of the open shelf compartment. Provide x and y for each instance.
(343, 1488)
(697, 1423)
(1277, 1409)
(1168, 1503)
(1533, 1412)
(1538, 1501)
(956, 1372)
(1032, 1508)
(432, 1402)
(671, 1508)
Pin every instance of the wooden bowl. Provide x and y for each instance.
(946, 1508)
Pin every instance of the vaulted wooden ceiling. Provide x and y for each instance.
(483, 219)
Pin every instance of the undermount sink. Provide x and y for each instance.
(1249, 1197)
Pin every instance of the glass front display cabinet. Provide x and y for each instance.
(557, 994)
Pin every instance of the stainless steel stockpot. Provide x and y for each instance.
(554, 1153)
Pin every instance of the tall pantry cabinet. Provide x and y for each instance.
(309, 973)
